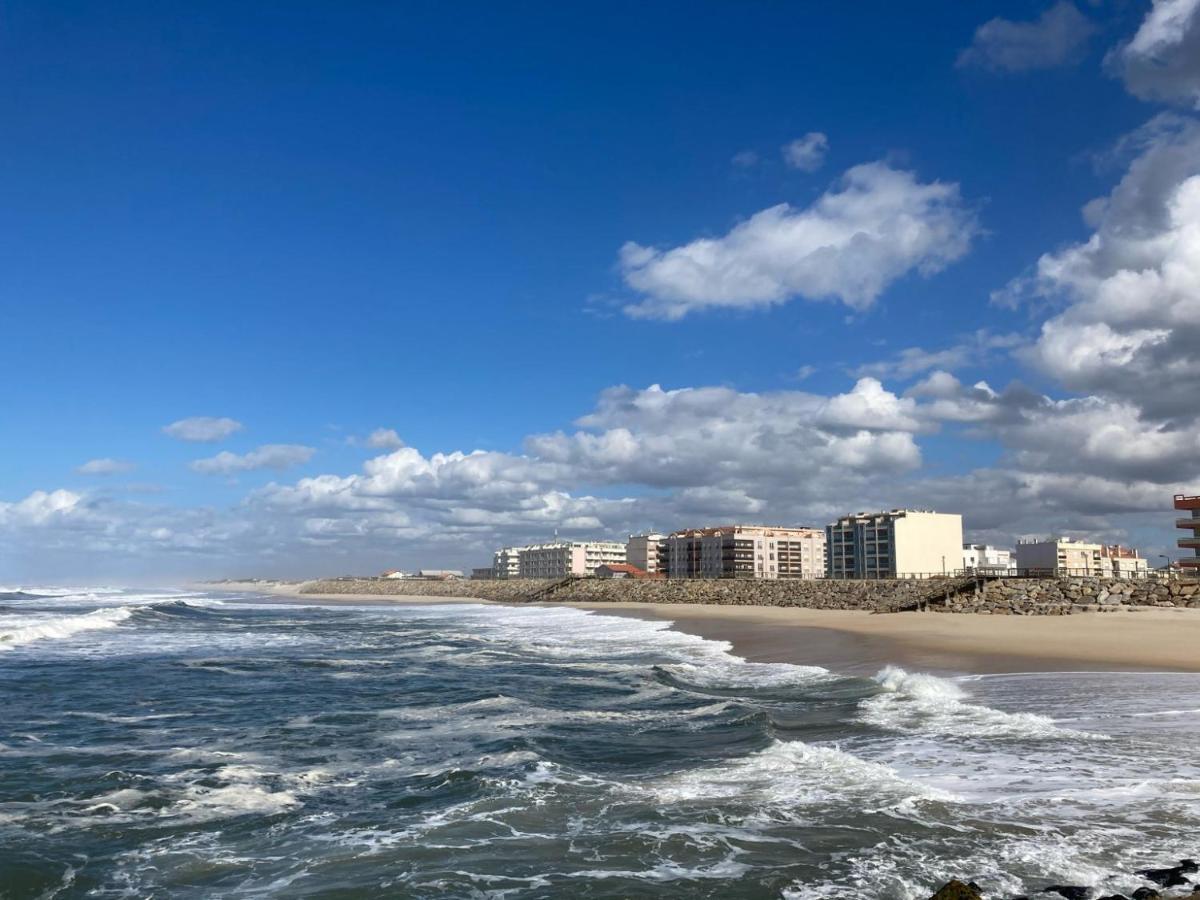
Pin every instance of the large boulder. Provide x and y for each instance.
(957, 890)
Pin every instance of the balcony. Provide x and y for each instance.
(1188, 523)
(1192, 543)
(1183, 501)
(1189, 562)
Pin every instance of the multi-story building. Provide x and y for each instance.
(506, 562)
(1189, 564)
(900, 543)
(562, 558)
(984, 559)
(746, 551)
(1062, 556)
(1123, 562)
(648, 552)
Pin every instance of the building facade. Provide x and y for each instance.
(1124, 562)
(1062, 556)
(1190, 504)
(506, 562)
(900, 543)
(746, 551)
(562, 558)
(984, 559)
(648, 552)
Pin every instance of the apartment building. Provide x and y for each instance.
(1189, 564)
(1062, 556)
(900, 543)
(506, 562)
(562, 558)
(746, 551)
(1124, 562)
(648, 552)
(984, 559)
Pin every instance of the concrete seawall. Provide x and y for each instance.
(1008, 596)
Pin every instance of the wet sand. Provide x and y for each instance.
(855, 642)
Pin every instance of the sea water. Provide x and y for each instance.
(189, 744)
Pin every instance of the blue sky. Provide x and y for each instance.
(322, 220)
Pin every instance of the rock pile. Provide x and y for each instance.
(1171, 876)
(1003, 596)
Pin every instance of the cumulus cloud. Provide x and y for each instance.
(1162, 60)
(976, 349)
(203, 429)
(41, 508)
(874, 226)
(1057, 37)
(806, 153)
(268, 456)
(384, 439)
(105, 466)
(1131, 324)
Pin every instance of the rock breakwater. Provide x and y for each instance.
(1001, 596)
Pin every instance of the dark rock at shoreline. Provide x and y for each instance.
(1172, 876)
(1070, 891)
(957, 890)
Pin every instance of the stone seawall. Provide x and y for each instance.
(1007, 596)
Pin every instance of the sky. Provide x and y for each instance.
(297, 289)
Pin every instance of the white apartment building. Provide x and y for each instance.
(746, 551)
(1125, 562)
(648, 552)
(900, 543)
(562, 558)
(506, 562)
(984, 559)
(1062, 556)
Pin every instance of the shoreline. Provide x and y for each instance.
(858, 642)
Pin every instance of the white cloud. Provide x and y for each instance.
(976, 349)
(745, 159)
(105, 466)
(875, 226)
(1058, 37)
(40, 508)
(384, 439)
(203, 429)
(268, 456)
(1162, 60)
(806, 153)
(1131, 326)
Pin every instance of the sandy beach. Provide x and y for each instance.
(1151, 639)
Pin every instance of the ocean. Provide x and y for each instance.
(190, 744)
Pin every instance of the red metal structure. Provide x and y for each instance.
(1192, 523)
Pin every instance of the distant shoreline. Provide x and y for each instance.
(857, 642)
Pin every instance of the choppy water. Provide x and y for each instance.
(186, 745)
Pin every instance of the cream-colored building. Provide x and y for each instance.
(506, 562)
(900, 543)
(648, 552)
(746, 551)
(1124, 562)
(1062, 556)
(562, 558)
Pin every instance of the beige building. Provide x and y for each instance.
(1124, 562)
(506, 562)
(746, 551)
(648, 552)
(1062, 556)
(562, 558)
(901, 543)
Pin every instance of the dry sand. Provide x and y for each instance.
(1149, 639)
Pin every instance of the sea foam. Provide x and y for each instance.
(59, 627)
(917, 703)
